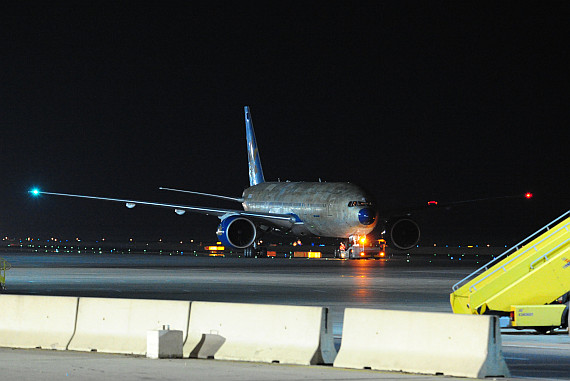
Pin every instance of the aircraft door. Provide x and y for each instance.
(331, 207)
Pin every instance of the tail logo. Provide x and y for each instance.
(254, 162)
(253, 165)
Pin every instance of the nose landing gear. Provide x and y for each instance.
(353, 248)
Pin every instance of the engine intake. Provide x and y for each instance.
(237, 232)
(403, 233)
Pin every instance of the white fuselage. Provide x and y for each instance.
(322, 209)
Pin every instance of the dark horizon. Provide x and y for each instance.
(413, 101)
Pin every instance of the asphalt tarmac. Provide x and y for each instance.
(414, 285)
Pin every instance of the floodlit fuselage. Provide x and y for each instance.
(319, 208)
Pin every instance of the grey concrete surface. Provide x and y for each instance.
(34, 365)
(331, 283)
(393, 284)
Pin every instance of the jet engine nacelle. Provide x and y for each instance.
(403, 233)
(237, 232)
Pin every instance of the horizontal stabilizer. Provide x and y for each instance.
(238, 199)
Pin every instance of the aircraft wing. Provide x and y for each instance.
(277, 220)
(447, 205)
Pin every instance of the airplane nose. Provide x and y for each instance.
(366, 216)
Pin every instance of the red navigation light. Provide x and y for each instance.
(528, 195)
(432, 202)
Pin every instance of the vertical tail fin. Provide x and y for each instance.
(255, 171)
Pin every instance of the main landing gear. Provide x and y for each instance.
(255, 251)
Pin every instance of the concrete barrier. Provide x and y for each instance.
(45, 322)
(164, 344)
(421, 342)
(121, 325)
(263, 333)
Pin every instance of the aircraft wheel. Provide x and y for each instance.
(261, 252)
(544, 330)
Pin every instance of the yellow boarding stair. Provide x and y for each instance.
(536, 271)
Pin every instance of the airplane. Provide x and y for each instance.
(337, 209)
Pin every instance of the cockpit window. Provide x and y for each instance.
(359, 203)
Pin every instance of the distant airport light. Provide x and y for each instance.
(432, 202)
(314, 254)
(35, 192)
(215, 248)
(528, 195)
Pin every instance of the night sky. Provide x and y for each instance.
(414, 101)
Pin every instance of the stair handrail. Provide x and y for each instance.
(514, 248)
(565, 227)
(545, 256)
